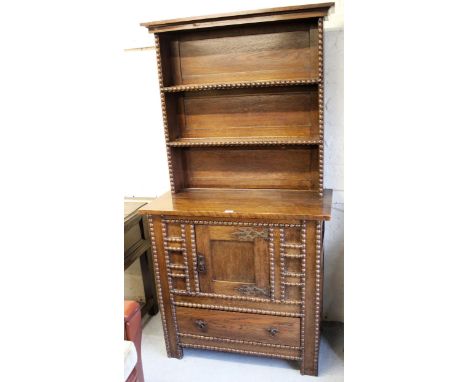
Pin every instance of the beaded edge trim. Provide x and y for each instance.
(321, 106)
(229, 340)
(236, 309)
(230, 297)
(230, 350)
(158, 284)
(210, 222)
(245, 143)
(163, 109)
(282, 266)
(317, 291)
(238, 85)
(185, 257)
(271, 250)
(194, 258)
(303, 291)
(180, 352)
(283, 271)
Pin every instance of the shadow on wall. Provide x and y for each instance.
(333, 306)
(334, 252)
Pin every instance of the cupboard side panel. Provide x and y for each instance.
(169, 326)
(310, 331)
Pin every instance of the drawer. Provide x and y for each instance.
(239, 326)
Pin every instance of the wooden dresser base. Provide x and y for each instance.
(280, 324)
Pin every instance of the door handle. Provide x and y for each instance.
(201, 265)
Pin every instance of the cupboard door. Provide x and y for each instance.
(233, 260)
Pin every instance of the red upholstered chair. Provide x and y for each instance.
(132, 322)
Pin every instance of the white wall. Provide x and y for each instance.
(145, 171)
(334, 172)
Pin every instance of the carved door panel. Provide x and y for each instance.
(233, 260)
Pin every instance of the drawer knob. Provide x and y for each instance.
(201, 324)
(273, 331)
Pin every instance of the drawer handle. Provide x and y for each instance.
(273, 331)
(202, 325)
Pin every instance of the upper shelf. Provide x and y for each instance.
(238, 85)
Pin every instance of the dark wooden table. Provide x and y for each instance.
(137, 245)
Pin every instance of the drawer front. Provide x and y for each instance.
(239, 326)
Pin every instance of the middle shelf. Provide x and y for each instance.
(238, 85)
(243, 141)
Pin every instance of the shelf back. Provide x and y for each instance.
(294, 167)
(245, 113)
(273, 51)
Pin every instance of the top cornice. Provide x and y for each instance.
(297, 12)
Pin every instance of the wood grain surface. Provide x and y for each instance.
(262, 112)
(296, 12)
(274, 204)
(245, 326)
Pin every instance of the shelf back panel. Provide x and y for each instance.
(273, 51)
(246, 113)
(255, 167)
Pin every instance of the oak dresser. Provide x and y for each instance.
(238, 241)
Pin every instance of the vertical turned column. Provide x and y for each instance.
(321, 103)
(312, 301)
(157, 43)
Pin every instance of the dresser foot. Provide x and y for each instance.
(309, 371)
(179, 354)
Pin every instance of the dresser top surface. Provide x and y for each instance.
(273, 204)
(258, 15)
